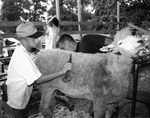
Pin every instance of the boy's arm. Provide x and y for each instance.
(49, 77)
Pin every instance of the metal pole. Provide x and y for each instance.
(135, 84)
(0, 105)
(57, 9)
(118, 13)
(80, 16)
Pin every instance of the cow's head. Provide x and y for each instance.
(120, 35)
(125, 42)
(131, 45)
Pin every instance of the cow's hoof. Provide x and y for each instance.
(47, 113)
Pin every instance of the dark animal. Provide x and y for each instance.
(91, 43)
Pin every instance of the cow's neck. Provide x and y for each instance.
(120, 63)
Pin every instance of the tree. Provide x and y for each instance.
(31, 10)
(69, 11)
(135, 11)
(105, 11)
(10, 10)
(138, 12)
(14, 10)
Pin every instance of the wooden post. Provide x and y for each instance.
(118, 13)
(57, 9)
(58, 12)
(0, 105)
(79, 16)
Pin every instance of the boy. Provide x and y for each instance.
(22, 72)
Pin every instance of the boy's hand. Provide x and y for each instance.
(53, 21)
(67, 67)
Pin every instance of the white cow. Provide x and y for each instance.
(102, 78)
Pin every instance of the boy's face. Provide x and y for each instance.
(66, 45)
(33, 43)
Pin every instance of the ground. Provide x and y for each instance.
(66, 107)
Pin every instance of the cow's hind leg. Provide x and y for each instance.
(46, 99)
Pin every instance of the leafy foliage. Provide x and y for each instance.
(105, 10)
(15, 10)
(69, 11)
(31, 10)
(134, 11)
(138, 12)
(8, 7)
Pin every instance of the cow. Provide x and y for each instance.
(102, 78)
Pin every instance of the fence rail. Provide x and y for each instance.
(63, 23)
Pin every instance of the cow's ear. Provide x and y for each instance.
(118, 53)
(108, 48)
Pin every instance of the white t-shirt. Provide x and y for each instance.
(22, 73)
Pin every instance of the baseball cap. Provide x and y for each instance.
(28, 29)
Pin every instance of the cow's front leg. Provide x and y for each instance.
(46, 98)
(99, 108)
(112, 111)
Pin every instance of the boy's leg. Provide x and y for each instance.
(20, 113)
(1, 49)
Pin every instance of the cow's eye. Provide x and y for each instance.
(118, 53)
(120, 43)
(141, 41)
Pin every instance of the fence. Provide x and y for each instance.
(63, 23)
